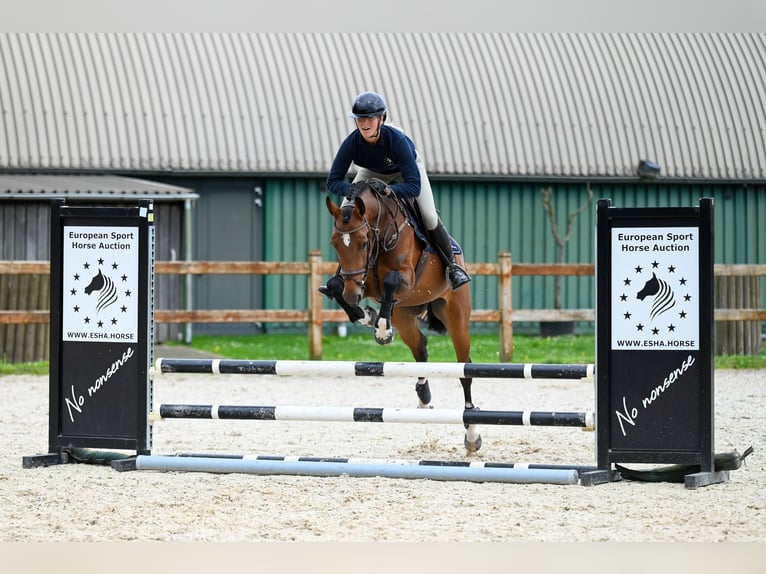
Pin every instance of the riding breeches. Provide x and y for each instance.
(425, 200)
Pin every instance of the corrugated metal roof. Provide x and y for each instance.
(475, 104)
(45, 186)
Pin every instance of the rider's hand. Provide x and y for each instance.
(379, 187)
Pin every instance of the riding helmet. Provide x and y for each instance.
(368, 105)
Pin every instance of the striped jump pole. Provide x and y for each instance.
(361, 460)
(583, 420)
(312, 468)
(375, 369)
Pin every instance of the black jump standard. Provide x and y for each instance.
(101, 318)
(654, 326)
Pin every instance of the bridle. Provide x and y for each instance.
(377, 241)
(348, 275)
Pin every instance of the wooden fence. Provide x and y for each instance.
(34, 311)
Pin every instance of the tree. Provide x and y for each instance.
(561, 241)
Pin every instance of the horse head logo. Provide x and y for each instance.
(108, 292)
(664, 298)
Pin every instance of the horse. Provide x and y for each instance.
(380, 257)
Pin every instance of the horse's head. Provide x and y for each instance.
(651, 287)
(96, 284)
(351, 238)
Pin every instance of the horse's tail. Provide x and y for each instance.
(432, 322)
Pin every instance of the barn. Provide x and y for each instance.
(233, 134)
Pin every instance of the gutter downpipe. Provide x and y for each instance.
(188, 257)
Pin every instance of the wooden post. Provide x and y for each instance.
(506, 306)
(315, 305)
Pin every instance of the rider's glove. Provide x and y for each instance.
(379, 187)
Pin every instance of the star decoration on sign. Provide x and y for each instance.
(93, 295)
(654, 285)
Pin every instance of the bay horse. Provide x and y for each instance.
(381, 257)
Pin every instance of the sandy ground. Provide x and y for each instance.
(77, 502)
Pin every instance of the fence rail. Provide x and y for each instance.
(314, 268)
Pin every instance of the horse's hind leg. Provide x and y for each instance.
(406, 323)
(472, 439)
(455, 314)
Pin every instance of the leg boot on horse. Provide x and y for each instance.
(334, 287)
(334, 291)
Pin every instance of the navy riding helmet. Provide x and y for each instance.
(368, 105)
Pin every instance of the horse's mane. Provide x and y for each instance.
(407, 205)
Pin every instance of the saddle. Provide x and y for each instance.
(411, 209)
(419, 226)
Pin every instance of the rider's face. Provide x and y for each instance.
(369, 128)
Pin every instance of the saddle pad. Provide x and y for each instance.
(419, 227)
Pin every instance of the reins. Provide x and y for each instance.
(376, 240)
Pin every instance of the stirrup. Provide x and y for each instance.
(457, 276)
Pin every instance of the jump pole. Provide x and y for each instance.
(584, 420)
(375, 369)
(336, 469)
(363, 460)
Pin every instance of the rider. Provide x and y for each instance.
(386, 153)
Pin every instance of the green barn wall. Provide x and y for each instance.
(489, 217)
(296, 222)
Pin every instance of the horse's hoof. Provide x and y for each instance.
(386, 338)
(472, 447)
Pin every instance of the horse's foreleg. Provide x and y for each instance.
(334, 291)
(384, 332)
(354, 313)
(334, 287)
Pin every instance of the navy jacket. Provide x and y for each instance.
(394, 152)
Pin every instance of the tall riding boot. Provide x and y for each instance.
(441, 241)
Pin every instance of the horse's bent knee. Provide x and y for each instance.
(392, 281)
